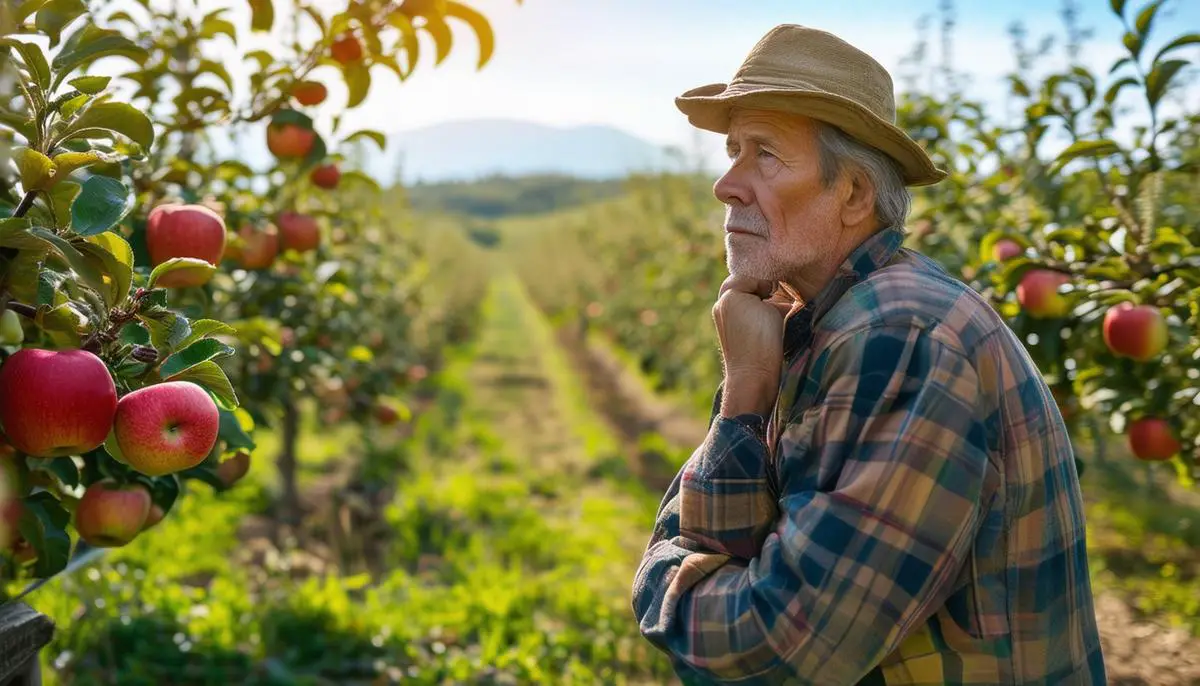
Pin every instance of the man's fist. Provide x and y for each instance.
(750, 331)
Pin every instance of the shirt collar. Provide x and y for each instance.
(874, 252)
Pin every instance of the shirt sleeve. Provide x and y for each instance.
(860, 554)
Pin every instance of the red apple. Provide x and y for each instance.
(1151, 438)
(176, 230)
(326, 176)
(1137, 331)
(1006, 249)
(167, 427)
(289, 140)
(233, 469)
(109, 514)
(346, 49)
(155, 516)
(1038, 293)
(309, 92)
(260, 246)
(299, 231)
(55, 403)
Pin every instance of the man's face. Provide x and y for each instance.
(780, 220)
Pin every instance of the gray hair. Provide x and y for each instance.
(838, 151)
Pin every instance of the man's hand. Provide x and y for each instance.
(750, 330)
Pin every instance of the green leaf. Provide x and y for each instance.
(25, 9)
(191, 264)
(37, 170)
(90, 84)
(210, 375)
(262, 15)
(202, 350)
(1159, 79)
(290, 116)
(21, 124)
(49, 284)
(35, 61)
(318, 151)
(101, 205)
(166, 329)
(117, 257)
(233, 433)
(354, 176)
(1118, 7)
(64, 468)
(206, 327)
(18, 234)
(376, 136)
(358, 83)
(1100, 148)
(68, 108)
(264, 59)
(1146, 17)
(217, 69)
(61, 197)
(133, 332)
(1114, 90)
(55, 15)
(1187, 39)
(1120, 63)
(63, 319)
(90, 43)
(213, 26)
(78, 263)
(231, 169)
(1019, 86)
(117, 117)
(44, 525)
(1133, 43)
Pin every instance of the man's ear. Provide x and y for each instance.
(858, 205)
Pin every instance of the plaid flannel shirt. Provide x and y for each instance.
(910, 512)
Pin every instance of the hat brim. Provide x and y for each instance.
(709, 107)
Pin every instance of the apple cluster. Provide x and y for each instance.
(1137, 332)
(56, 403)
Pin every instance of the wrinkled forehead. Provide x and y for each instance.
(758, 123)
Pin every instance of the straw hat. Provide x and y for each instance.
(814, 73)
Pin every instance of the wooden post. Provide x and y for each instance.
(23, 634)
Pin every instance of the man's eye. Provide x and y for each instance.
(765, 153)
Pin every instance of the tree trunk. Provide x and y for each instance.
(286, 462)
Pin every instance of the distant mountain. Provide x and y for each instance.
(478, 148)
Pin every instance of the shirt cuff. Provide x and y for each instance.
(726, 500)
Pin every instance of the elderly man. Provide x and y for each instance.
(887, 492)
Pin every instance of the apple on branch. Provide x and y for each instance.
(1135, 331)
(110, 514)
(1152, 439)
(299, 232)
(175, 230)
(166, 428)
(1038, 295)
(56, 403)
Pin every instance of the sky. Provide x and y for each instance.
(621, 62)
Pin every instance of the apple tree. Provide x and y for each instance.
(109, 398)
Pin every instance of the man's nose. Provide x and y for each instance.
(730, 189)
